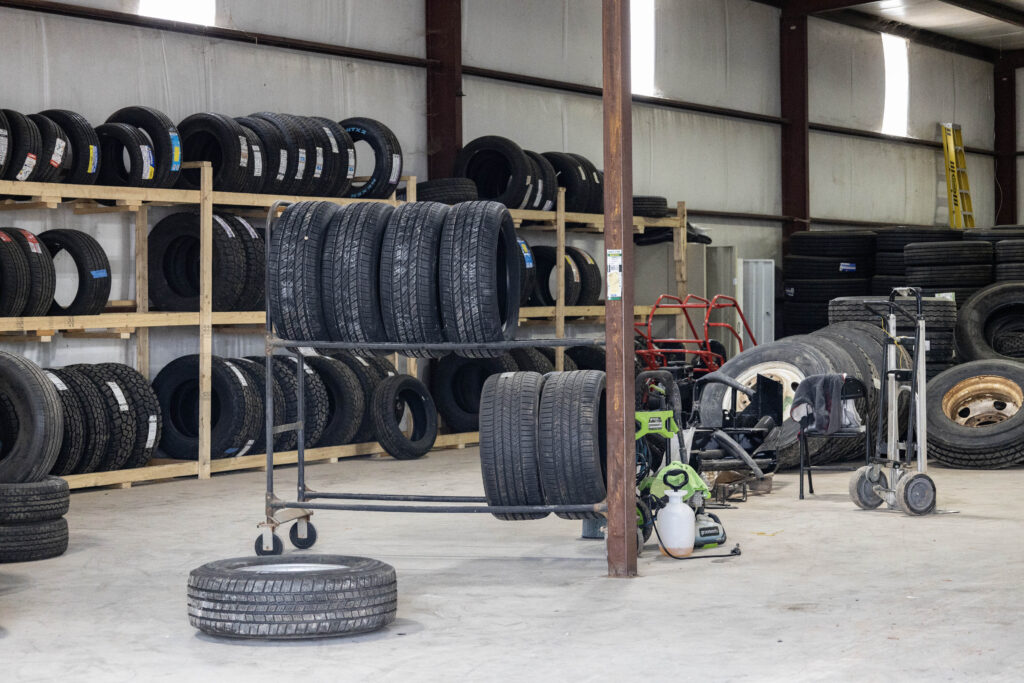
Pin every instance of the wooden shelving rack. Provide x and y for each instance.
(119, 323)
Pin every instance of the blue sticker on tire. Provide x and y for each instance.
(97, 274)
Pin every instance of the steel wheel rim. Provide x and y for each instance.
(982, 401)
(785, 373)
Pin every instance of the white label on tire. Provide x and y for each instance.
(506, 375)
(238, 373)
(58, 153)
(257, 161)
(547, 205)
(390, 374)
(119, 395)
(283, 166)
(57, 381)
(583, 174)
(151, 434)
(597, 178)
(308, 351)
(587, 256)
(302, 164)
(319, 162)
(224, 224)
(3, 144)
(334, 143)
(147, 162)
(540, 193)
(245, 224)
(361, 360)
(26, 169)
(245, 448)
(572, 269)
(243, 159)
(33, 243)
(396, 168)
(351, 164)
(308, 370)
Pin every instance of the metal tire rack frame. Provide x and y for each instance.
(279, 512)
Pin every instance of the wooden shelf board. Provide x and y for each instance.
(149, 473)
(128, 319)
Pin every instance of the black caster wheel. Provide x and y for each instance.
(915, 493)
(276, 550)
(302, 543)
(862, 488)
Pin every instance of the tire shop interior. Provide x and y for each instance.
(425, 338)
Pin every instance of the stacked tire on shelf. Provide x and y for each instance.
(890, 267)
(820, 266)
(542, 441)
(239, 258)
(1009, 259)
(957, 267)
(28, 277)
(504, 172)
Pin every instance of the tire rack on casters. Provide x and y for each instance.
(123, 324)
(278, 511)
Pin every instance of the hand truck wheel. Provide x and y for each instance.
(278, 546)
(915, 494)
(302, 543)
(862, 491)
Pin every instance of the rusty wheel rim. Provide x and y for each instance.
(983, 400)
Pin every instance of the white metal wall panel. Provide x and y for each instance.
(52, 61)
(723, 53)
(876, 181)
(557, 39)
(711, 162)
(949, 87)
(846, 76)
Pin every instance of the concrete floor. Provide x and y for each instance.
(822, 591)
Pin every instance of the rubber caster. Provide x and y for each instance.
(302, 543)
(276, 550)
(915, 494)
(862, 491)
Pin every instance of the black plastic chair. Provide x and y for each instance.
(852, 389)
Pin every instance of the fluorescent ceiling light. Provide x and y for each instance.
(897, 85)
(641, 47)
(203, 12)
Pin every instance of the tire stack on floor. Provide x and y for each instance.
(32, 504)
(112, 418)
(28, 278)
(542, 441)
(820, 266)
(520, 179)
(1009, 257)
(940, 316)
(890, 267)
(957, 267)
(239, 258)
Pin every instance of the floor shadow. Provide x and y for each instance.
(10, 583)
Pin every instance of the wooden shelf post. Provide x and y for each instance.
(142, 287)
(559, 277)
(679, 242)
(205, 314)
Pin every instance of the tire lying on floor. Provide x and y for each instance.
(395, 399)
(990, 320)
(976, 415)
(510, 442)
(292, 596)
(788, 361)
(33, 541)
(36, 501)
(573, 447)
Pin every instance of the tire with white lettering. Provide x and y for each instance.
(387, 155)
(31, 420)
(14, 281)
(94, 413)
(573, 177)
(93, 268)
(221, 141)
(545, 258)
(25, 147)
(275, 153)
(590, 276)
(163, 137)
(72, 443)
(545, 183)
(42, 277)
(84, 146)
(346, 403)
(256, 167)
(144, 409)
(5, 143)
(235, 424)
(315, 396)
(118, 141)
(55, 161)
(596, 202)
(256, 374)
(527, 271)
(342, 152)
(121, 424)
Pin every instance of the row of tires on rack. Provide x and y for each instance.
(28, 277)
(59, 421)
(582, 285)
(239, 262)
(822, 265)
(420, 273)
(138, 146)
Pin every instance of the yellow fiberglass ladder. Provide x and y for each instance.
(958, 190)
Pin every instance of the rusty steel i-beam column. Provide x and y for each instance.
(618, 326)
(796, 204)
(1005, 105)
(444, 85)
